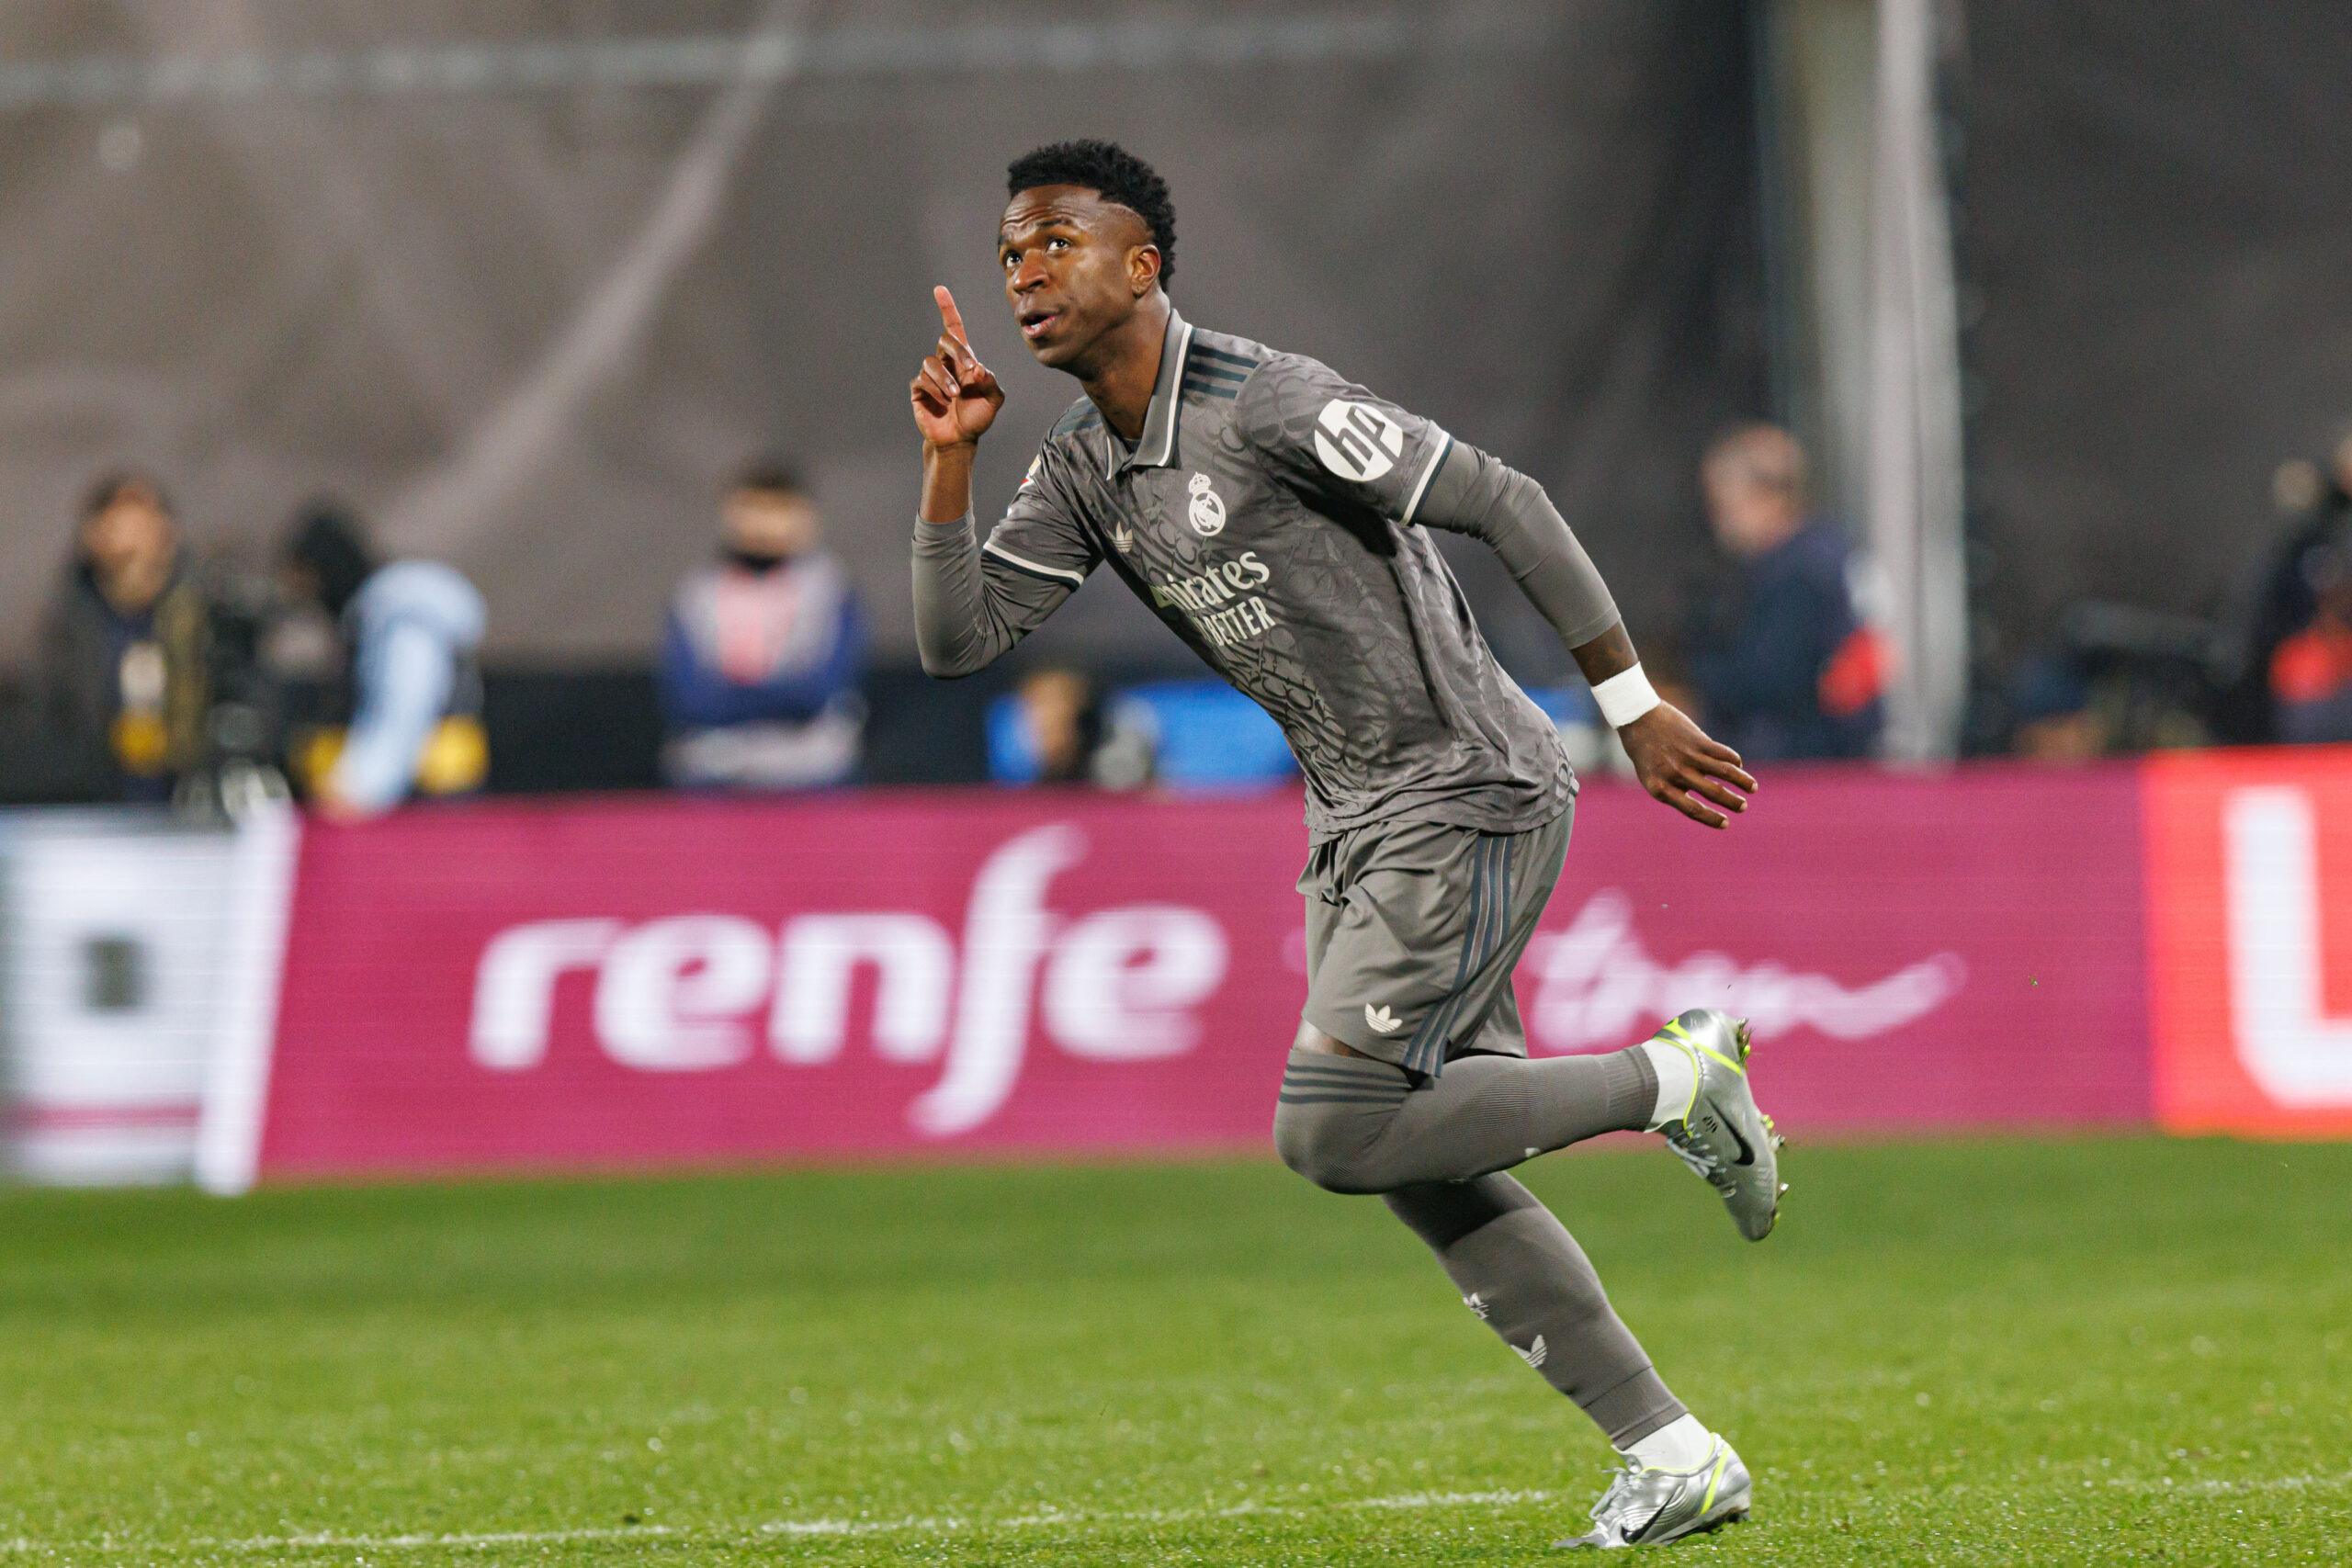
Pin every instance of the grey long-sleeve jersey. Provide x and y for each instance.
(1273, 516)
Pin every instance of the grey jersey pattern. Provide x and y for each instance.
(1269, 515)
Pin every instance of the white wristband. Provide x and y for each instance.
(1625, 696)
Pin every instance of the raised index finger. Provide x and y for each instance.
(949, 315)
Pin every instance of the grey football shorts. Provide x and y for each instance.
(1413, 930)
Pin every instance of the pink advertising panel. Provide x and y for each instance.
(1914, 952)
(557, 984)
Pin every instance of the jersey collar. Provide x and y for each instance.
(1157, 449)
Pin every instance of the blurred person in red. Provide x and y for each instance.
(2286, 602)
(125, 664)
(1783, 662)
(2311, 671)
(763, 649)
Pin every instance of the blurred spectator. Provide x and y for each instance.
(2146, 675)
(1783, 663)
(1191, 735)
(1047, 731)
(410, 630)
(1052, 728)
(125, 657)
(2286, 598)
(763, 651)
(2050, 705)
(2311, 671)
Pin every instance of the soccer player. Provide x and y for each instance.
(1276, 516)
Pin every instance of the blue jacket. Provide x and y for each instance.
(1760, 667)
(412, 625)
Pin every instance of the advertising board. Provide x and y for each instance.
(652, 981)
(2250, 942)
(630, 983)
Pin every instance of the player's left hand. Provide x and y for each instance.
(1680, 765)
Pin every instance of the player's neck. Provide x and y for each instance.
(1123, 371)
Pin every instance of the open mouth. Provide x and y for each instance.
(1038, 325)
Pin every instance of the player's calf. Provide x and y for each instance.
(1520, 1273)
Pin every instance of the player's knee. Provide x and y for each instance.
(1325, 1144)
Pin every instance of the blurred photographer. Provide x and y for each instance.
(125, 674)
(2285, 601)
(2311, 671)
(412, 688)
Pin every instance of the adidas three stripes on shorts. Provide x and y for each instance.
(1413, 930)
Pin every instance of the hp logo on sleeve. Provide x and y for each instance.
(1357, 441)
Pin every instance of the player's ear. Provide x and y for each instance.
(1143, 269)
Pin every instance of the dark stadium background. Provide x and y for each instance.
(1540, 224)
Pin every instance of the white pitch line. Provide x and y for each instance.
(941, 1524)
(2225, 1488)
(946, 1524)
(1153, 1515)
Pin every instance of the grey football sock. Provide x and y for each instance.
(1521, 1272)
(1352, 1125)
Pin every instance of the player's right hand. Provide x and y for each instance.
(955, 396)
(1681, 765)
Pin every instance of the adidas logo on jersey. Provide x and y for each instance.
(1535, 1354)
(1477, 1302)
(1382, 1021)
(1123, 538)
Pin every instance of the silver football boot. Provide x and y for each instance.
(1722, 1134)
(1650, 1508)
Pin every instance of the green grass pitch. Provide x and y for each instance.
(2103, 1350)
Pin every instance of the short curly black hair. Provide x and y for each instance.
(1112, 172)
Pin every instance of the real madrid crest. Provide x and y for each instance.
(1206, 513)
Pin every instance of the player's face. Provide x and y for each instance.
(1071, 263)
